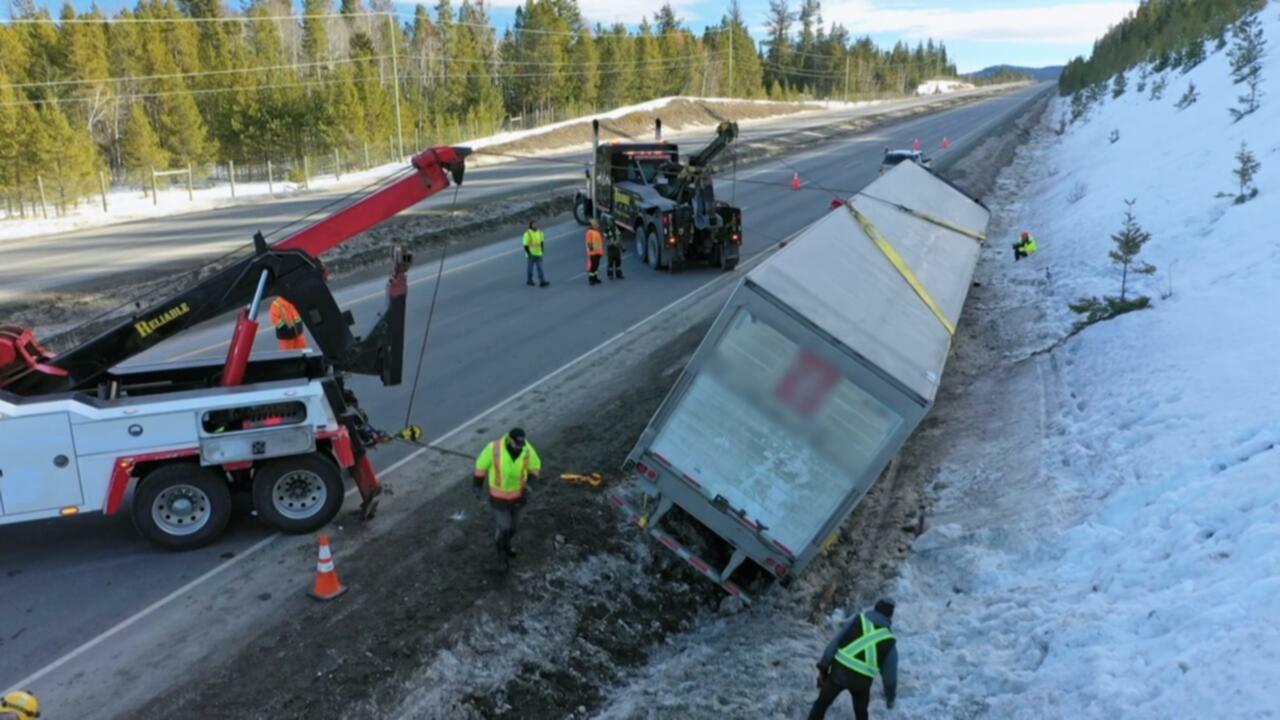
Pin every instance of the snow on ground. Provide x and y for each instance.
(125, 204)
(1105, 536)
(937, 87)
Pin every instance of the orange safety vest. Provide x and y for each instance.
(288, 324)
(595, 242)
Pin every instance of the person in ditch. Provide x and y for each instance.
(864, 648)
(1025, 246)
(507, 464)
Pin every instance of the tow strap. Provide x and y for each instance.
(892, 254)
(980, 237)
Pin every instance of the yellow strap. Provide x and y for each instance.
(980, 237)
(901, 265)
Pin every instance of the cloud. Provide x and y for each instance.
(1061, 23)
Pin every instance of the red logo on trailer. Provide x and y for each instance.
(807, 384)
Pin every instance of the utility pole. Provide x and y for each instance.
(846, 78)
(395, 82)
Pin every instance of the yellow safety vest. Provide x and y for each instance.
(507, 476)
(860, 655)
(533, 241)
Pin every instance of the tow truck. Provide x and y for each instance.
(78, 431)
(669, 209)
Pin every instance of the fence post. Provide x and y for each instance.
(271, 188)
(306, 173)
(191, 195)
(102, 187)
(154, 193)
(44, 206)
(231, 175)
(391, 148)
(366, 156)
(337, 165)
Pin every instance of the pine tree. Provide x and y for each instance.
(10, 144)
(1158, 87)
(1118, 85)
(647, 62)
(74, 161)
(141, 149)
(1188, 98)
(778, 42)
(585, 59)
(315, 34)
(1128, 244)
(1247, 167)
(1246, 64)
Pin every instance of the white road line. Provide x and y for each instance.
(124, 624)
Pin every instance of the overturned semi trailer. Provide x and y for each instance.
(822, 363)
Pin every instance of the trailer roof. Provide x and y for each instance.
(837, 277)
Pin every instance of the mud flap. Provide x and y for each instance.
(368, 485)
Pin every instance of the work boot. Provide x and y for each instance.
(544, 283)
(529, 283)
(620, 275)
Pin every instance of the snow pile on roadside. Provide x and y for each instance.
(1106, 541)
(1148, 538)
(938, 87)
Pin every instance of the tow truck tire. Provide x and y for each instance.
(580, 212)
(655, 250)
(642, 246)
(182, 506)
(298, 494)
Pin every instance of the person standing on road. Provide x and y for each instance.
(864, 648)
(595, 251)
(533, 242)
(614, 249)
(19, 705)
(508, 464)
(288, 324)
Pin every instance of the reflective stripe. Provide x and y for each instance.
(497, 487)
(892, 254)
(595, 242)
(865, 645)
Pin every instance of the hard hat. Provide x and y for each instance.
(23, 702)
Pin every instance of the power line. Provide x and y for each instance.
(203, 73)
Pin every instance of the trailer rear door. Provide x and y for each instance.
(776, 430)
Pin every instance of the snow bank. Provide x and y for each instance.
(939, 87)
(1105, 540)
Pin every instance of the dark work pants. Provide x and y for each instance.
(615, 262)
(593, 268)
(505, 514)
(838, 681)
(534, 261)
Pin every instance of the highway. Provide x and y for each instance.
(93, 257)
(64, 582)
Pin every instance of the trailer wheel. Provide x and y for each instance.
(182, 506)
(298, 494)
(580, 212)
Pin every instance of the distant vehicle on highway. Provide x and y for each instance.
(893, 157)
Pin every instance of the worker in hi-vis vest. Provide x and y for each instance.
(533, 242)
(595, 252)
(1025, 247)
(505, 466)
(863, 649)
(288, 325)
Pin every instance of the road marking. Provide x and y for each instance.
(124, 624)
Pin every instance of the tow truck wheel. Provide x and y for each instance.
(655, 250)
(182, 505)
(580, 212)
(298, 494)
(642, 246)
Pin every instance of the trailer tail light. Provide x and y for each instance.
(641, 467)
(671, 240)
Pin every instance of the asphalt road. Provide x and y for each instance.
(91, 257)
(63, 582)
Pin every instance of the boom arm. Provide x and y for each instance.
(698, 163)
(293, 271)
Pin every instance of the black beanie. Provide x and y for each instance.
(884, 606)
(518, 434)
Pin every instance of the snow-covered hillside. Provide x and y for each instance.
(935, 87)
(1105, 536)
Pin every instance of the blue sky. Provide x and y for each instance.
(977, 33)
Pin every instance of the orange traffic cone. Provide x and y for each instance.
(327, 585)
(945, 143)
(795, 181)
(915, 144)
